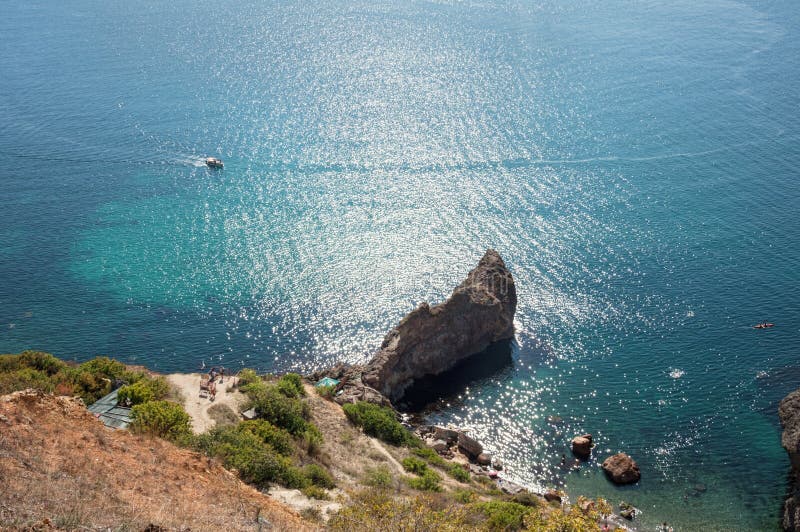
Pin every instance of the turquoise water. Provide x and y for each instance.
(634, 163)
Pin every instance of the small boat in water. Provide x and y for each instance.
(764, 325)
(213, 162)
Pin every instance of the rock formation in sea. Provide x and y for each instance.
(433, 339)
(789, 413)
(621, 469)
(582, 446)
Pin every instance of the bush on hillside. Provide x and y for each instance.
(143, 391)
(284, 412)
(377, 421)
(277, 438)
(412, 464)
(319, 476)
(42, 371)
(428, 481)
(161, 418)
(503, 515)
(291, 385)
(247, 376)
(458, 472)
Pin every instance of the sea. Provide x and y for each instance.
(634, 163)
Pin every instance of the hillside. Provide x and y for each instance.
(61, 468)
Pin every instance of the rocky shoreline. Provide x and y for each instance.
(433, 340)
(789, 414)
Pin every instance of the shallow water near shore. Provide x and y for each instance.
(635, 165)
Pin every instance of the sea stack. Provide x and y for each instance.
(433, 339)
(789, 412)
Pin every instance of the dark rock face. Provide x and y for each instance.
(621, 469)
(431, 340)
(789, 413)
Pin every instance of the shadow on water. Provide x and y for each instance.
(490, 362)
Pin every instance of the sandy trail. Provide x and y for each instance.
(188, 384)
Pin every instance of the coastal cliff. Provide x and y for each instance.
(789, 413)
(433, 339)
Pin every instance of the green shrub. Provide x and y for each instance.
(90, 380)
(161, 418)
(144, 390)
(285, 412)
(458, 472)
(381, 510)
(430, 455)
(241, 449)
(311, 440)
(503, 515)
(377, 421)
(378, 477)
(428, 481)
(412, 464)
(315, 492)
(464, 496)
(526, 498)
(45, 362)
(293, 477)
(277, 438)
(247, 376)
(291, 385)
(319, 476)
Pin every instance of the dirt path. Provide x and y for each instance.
(188, 384)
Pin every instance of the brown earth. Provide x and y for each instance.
(60, 468)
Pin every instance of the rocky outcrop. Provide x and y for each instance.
(582, 446)
(469, 446)
(432, 340)
(621, 469)
(789, 413)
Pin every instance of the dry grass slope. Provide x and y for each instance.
(58, 463)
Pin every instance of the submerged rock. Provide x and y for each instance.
(789, 413)
(621, 469)
(432, 340)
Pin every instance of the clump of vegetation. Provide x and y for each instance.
(270, 403)
(255, 460)
(503, 515)
(247, 376)
(42, 371)
(164, 419)
(291, 385)
(379, 510)
(458, 472)
(315, 492)
(319, 476)
(277, 438)
(431, 456)
(378, 477)
(144, 390)
(263, 450)
(378, 421)
(429, 480)
(412, 464)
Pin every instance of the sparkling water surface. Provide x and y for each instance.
(634, 163)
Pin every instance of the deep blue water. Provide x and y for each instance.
(635, 163)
